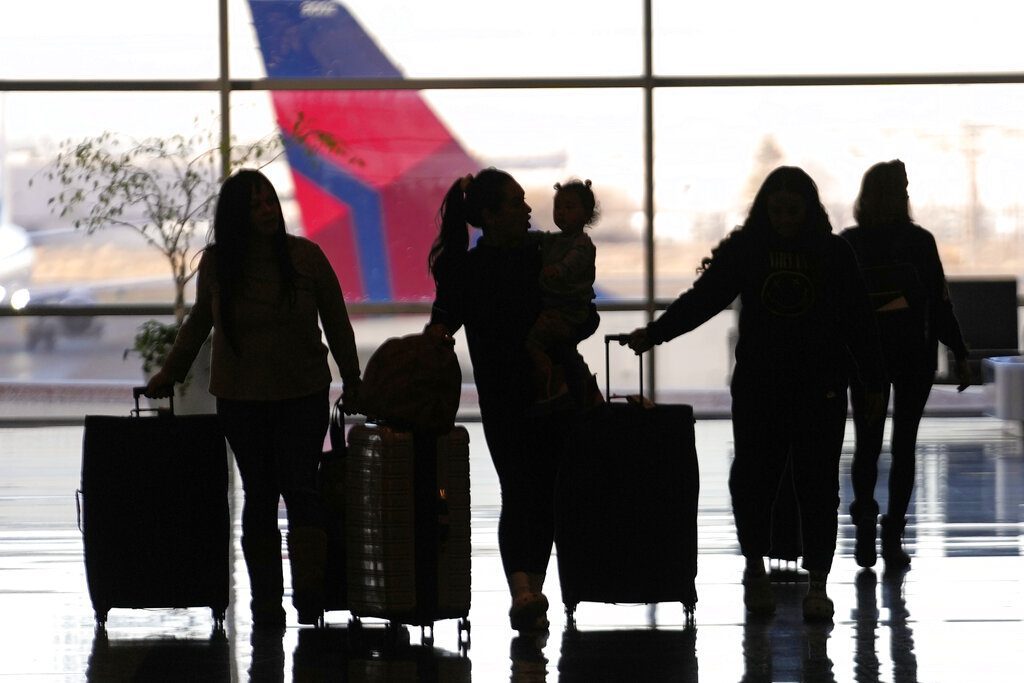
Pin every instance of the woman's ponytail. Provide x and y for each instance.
(453, 235)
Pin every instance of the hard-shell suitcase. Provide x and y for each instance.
(626, 505)
(155, 520)
(407, 526)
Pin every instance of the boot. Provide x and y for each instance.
(817, 605)
(757, 589)
(892, 543)
(263, 563)
(865, 519)
(307, 554)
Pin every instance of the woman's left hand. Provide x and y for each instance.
(963, 374)
(439, 331)
(639, 340)
(350, 396)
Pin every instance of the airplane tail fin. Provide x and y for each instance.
(371, 203)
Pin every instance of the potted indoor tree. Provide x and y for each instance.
(165, 190)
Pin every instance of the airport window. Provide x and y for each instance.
(549, 92)
(111, 39)
(462, 38)
(963, 146)
(736, 37)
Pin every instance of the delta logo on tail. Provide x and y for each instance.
(372, 207)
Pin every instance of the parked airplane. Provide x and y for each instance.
(371, 208)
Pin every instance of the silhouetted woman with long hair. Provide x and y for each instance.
(265, 293)
(904, 275)
(804, 313)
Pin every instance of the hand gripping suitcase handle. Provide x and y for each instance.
(620, 339)
(138, 392)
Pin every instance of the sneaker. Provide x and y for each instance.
(817, 605)
(757, 594)
(529, 612)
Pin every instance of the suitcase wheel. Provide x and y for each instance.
(464, 628)
(570, 611)
(427, 634)
(101, 618)
(218, 619)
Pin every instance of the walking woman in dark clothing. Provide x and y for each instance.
(804, 313)
(493, 291)
(904, 276)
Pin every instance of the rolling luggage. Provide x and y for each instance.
(155, 518)
(407, 526)
(626, 505)
(331, 482)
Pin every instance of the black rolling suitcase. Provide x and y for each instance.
(155, 518)
(626, 505)
(331, 482)
(407, 526)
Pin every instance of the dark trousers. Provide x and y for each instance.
(769, 427)
(910, 394)
(525, 456)
(277, 446)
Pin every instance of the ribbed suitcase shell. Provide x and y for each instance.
(381, 527)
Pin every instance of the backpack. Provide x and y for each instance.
(413, 383)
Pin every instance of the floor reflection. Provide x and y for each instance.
(957, 615)
(159, 659)
(629, 655)
(783, 647)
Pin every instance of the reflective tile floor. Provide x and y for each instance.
(958, 615)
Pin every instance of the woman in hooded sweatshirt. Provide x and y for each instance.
(804, 314)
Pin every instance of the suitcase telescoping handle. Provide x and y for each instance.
(619, 339)
(138, 392)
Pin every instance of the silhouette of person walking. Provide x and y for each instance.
(804, 312)
(262, 292)
(907, 285)
(493, 291)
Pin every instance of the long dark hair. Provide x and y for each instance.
(232, 237)
(464, 203)
(883, 198)
(788, 179)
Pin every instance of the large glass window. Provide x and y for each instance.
(371, 203)
(440, 39)
(370, 195)
(105, 39)
(963, 146)
(734, 37)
